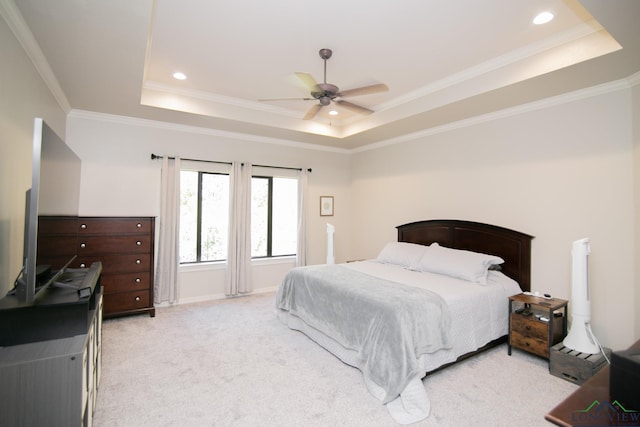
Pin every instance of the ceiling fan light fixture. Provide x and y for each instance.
(324, 100)
(543, 18)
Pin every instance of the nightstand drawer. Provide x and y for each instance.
(530, 344)
(528, 326)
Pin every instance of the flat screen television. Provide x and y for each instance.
(55, 190)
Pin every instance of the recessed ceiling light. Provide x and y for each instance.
(543, 18)
(333, 113)
(179, 76)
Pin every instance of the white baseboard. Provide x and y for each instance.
(214, 297)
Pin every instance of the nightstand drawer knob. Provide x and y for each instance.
(138, 280)
(137, 298)
(83, 245)
(139, 243)
(83, 226)
(138, 261)
(139, 225)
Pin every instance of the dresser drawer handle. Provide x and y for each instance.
(83, 265)
(138, 280)
(138, 243)
(137, 298)
(138, 261)
(139, 225)
(83, 245)
(83, 226)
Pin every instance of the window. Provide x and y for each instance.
(204, 216)
(274, 216)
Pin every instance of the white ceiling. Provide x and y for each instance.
(443, 61)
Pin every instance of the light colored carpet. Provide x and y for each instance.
(232, 363)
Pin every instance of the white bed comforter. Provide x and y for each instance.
(478, 315)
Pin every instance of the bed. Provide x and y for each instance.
(434, 297)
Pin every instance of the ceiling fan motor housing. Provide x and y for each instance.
(325, 90)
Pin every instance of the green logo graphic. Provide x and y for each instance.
(606, 413)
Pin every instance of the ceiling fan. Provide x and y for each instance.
(325, 92)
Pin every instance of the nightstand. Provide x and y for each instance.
(536, 323)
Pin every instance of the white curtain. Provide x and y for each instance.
(301, 258)
(166, 281)
(238, 280)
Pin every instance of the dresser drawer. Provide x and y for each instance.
(529, 327)
(126, 282)
(92, 245)
(107, 226)
(57, 225)
(55, 262)
(56, 246)
(530, 344)
(115, 264)
(126, 301)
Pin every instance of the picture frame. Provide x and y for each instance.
(326, 205)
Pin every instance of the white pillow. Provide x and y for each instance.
(404, 254)
(466, 265)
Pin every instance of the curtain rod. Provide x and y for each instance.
(155, 156)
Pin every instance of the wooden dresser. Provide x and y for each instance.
(124, 245)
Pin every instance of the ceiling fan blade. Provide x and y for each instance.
(354, 107)
(308, 80)
(286, 99)
(312, 112)
(365, 90)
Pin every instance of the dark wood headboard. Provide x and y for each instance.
(512, 246)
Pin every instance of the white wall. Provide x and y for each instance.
(23, 96)
(119, 178)
(559, 173)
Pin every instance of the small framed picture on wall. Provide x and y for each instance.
(326, 205)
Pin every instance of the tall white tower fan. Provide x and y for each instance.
(580, 336)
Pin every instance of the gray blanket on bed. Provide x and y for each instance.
(389, 325)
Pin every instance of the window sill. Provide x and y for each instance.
(221, 265)
(203, 266)
(274, 260)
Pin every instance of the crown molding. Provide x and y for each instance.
(521, 109)
(570, 35)
(20, 29)
(157, 124)
(508, 112)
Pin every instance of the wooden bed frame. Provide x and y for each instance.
(512, 246)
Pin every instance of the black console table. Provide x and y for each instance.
(50, 353)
